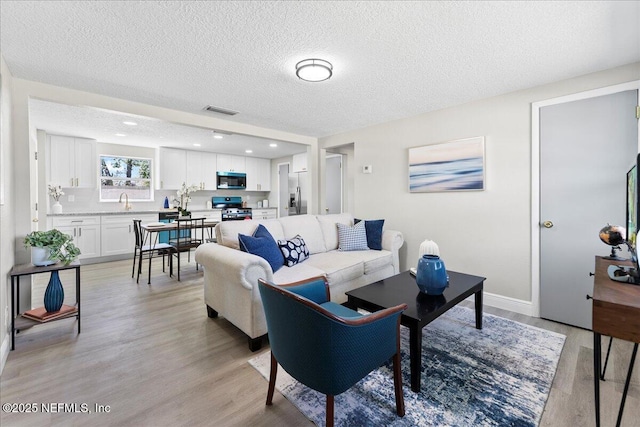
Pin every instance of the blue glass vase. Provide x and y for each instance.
(431, 275)
(54, 294)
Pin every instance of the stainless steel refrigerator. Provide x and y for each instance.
(298, 193)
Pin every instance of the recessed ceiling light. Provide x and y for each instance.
(130, 123)
(196, 145)
(273, 144)
(120, 134)
(314, 70)
(248, 151)
(217, 136)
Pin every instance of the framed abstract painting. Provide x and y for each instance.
(449, 166)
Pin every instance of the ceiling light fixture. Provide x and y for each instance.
(248, 151)
(217, 136)
(273, 144)
(196, 145)
(130, 123)
(314, 70)
(120, 134)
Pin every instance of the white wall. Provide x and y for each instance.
(486, 233)
(7, 212)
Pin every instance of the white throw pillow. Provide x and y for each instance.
(352, 238)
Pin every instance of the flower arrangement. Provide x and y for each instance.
(56, 192)
(183, 197)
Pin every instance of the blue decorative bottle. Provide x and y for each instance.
(166, 202)
(431, 275)
(54, 294)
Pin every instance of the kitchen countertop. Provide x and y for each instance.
(123, 212)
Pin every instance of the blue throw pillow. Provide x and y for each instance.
(293, 250)
(352, 238)
(263, 245)
(374, 233)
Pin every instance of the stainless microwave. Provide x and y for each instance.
(231, 181)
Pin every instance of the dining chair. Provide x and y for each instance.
(151, 249)
(324, 345)
(185, 237)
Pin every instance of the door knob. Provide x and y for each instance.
(547, 224)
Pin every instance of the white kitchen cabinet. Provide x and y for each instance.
(201, 169)
(264, 213)
(118, 235)
(173, 168)
(300, 162)
(85, 231)
(258, 174)
(72, 162)
(231, 163)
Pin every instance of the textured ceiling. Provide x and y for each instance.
(391, 59)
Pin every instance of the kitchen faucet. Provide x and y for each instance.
(127, 206)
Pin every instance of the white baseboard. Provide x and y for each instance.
(506, 303)
(4, 351)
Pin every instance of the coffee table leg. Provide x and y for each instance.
(415, 356)
(479, 309)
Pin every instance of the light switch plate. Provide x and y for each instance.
(367, 169)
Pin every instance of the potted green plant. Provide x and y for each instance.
(51, 246)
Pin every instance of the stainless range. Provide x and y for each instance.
(232, 209)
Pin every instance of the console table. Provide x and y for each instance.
(20, 270)
(616, 313)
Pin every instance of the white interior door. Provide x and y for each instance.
(333, 184)
(33, 184)
(586, 148)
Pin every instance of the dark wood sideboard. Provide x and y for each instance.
(616, 313)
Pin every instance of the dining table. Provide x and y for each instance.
(151, 232)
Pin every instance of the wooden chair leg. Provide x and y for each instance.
(397, 384)
(329, 421)
(272, 379)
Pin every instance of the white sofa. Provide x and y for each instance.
(231, 276)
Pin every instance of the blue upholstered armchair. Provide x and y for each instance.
(327, 346)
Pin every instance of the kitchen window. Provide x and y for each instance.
(129, 175)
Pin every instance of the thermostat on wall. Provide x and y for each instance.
(367, 169)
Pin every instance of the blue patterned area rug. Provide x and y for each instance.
(497, 376)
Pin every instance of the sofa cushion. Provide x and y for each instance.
(297, 272)
(330, 230)
(374, 233)
(262, 245)
(294, 250)
(352, 238)
(375, 260)
(306, 226)
(339, 267)
(227, 231)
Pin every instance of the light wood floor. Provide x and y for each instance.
(151, 354)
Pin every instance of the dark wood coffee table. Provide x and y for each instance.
(422, 310)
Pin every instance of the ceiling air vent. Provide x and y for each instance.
(219, 110)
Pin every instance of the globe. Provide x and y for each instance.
(613, 235)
